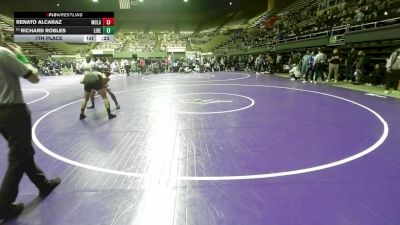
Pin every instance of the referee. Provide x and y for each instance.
(15, 127)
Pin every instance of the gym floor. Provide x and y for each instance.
(213, 148)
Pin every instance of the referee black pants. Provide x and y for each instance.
(15, 126)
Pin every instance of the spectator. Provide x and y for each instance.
(309, 75)
(295, 59)
(359, 17)
(304, 63)
(350, 65)
(334, 65)
(361, 68)
(319, 65)
(279, 62)
(393, 71)
(259, 63)
(295, 73)
(376, 77)
(271, 64)
(147, 64)
(127, 66)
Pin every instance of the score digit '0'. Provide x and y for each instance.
(108, 21)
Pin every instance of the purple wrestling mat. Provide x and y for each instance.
(213, 148)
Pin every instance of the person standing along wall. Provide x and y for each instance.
(361, 68)
(319, 65)
(127, 66)
(309, 75)
(279, 63)
(393, 71)
(334, 65)
(259, 64)
(304, 64)
(350, 65)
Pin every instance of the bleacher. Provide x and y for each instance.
(116, 46)
(141, 42)
(171, 39)
(295, 6)
(313, 21)
(6, 23)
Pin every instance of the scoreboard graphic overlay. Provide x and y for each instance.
(77, 27)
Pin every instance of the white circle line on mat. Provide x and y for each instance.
(252, 102)
(364, 152)
(197, 81)
(46, 94)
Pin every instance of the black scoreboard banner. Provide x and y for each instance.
(72, 26)
(63, 22)
(63, 15)
(63, 30)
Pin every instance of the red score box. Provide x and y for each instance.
(108, 21)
